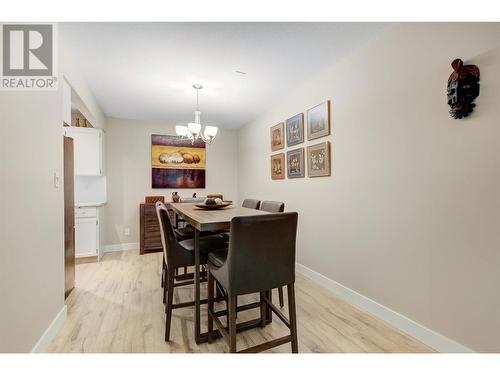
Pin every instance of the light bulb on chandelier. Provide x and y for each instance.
(193, 130)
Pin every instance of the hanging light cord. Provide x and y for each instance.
(197, 99)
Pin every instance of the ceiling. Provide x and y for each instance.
(145, 71)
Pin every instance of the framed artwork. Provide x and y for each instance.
(318, 121)
(318, 160)
(177, 163)
(295, 130)
(278, 166)
(295, 163)
(277, 137)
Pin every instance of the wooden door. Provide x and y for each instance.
(69, 217)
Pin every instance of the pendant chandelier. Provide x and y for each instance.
(193, 130)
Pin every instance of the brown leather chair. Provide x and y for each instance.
(179, 254)
(248, 203)
(251, 203)
(273, 206)
(254, 265)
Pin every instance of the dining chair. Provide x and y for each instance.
(248, 203)
(254, 266)
(181, 233)
(180, 254)
(192, 200)
(187, 231)
(154, 198)
(251, 203)
(273, 206)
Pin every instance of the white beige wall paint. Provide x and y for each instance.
(82, 94)
(128, 168)
(31, 212)
(411, 215)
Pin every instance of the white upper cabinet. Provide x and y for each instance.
(88, 150)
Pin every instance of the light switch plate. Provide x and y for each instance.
(57, 180)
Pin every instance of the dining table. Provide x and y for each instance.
(210, 220)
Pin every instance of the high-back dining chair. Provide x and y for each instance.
(251, 203)
(179, 254)
(261, 257)
(248, 203)
(187, 231)
(274, 206)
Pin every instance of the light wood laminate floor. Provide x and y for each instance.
(117, 307)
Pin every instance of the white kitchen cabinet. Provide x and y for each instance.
(88, 150)
(88, 231)
(86, 236)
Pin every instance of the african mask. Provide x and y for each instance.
(463, 88)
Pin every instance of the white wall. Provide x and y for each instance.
(82, 95)
(32, 209)
(90, 189)
(128, 168)
(31, 213)
(411, 214)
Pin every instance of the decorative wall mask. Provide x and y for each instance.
(463, 88)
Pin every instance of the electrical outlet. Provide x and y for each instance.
(126, 231)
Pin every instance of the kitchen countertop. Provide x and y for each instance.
(90, 204)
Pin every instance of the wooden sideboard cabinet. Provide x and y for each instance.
(150, 237)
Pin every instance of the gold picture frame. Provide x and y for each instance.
(318, 121)
(278, 166)
(319, 160)
(278, 137)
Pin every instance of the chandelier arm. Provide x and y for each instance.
(194, 131)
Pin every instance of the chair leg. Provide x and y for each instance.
(262, 310)
(232, 324)
(218, 288)
(236, 311)
(293, 317)
(280, 295)
(163, 272)
(168, 306)
(269, 312)
(165, 286)
(227, 309)
(210, 323)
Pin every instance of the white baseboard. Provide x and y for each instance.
(121, 247)
(425, 335)
(44, 341)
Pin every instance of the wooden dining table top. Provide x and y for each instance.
(208, 220)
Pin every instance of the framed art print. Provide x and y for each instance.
(318, 121)
(295, 163)
(277, 137)
(177, 163)
(295, 130)
(278, 166)
(318, 160)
